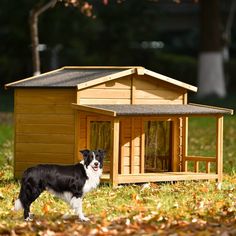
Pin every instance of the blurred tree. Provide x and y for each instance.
(14, 49)
(227, 39)
(38, 9)
(210, 73)
(122, 34)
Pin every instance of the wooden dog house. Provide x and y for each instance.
(138, 116)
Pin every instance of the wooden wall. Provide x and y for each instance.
(147, 90)
(130, 141)
(44, 127)
(112, 92)
(130, 145)
(46, 124)
(132, 90)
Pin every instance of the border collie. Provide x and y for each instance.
(70, 183)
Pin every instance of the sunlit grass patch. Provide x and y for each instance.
(6, 133)
(6, 144)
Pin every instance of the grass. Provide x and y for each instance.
(181, 208)
(162, 206)
(6, 132)
(6, 144)
(202, 140)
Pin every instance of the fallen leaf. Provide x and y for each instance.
(45, 208)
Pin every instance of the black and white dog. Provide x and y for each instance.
(69, 183)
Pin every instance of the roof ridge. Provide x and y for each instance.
(106, 78)
(170, 80)
(102, 67)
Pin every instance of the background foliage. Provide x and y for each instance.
(158, 35)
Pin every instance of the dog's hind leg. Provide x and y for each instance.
(27, 213)
(28, 194)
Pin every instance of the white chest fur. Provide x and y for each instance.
(93, 179)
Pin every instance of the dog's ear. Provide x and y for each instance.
(85, 152)
(102, 153)
(85, 156)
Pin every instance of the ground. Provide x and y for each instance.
(180, 208)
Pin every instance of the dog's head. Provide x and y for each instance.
(93, 159)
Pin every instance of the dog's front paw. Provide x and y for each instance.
(83, 218)
(66, 216)
(28, 219)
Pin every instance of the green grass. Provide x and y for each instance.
(202, 140)
(6, 144)
(187, 208)
(6, 133)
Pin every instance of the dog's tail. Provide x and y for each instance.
(18, 205)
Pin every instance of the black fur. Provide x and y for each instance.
(58, 178)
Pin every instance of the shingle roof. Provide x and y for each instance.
(65, 78)
(83, 77)
(160, 110)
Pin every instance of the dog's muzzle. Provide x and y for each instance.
(96, 166)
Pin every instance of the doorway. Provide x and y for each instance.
(100, 137)
(158, 143)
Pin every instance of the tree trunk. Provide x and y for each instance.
(210, 71)
(34, 41)
(34, 14)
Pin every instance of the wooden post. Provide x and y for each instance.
(175, 141)
(196, 166)
(132, 147)
(77, 139)
(115, 152)
(122, 142)
(208, 167)
(185, 144)
(142, 155)
(133, 89)
(219, 147)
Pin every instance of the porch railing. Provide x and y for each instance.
(196, 160)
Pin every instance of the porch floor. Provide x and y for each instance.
(159, 177)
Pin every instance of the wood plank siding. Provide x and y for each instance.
(133, 90)
(112, 92)
(130, 145)
(151, 91)
(138, 89)
(44, 127)
(139, 117)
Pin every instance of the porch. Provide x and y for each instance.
(159, 177)
(182, 165)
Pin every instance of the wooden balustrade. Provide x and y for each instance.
(196, 160)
